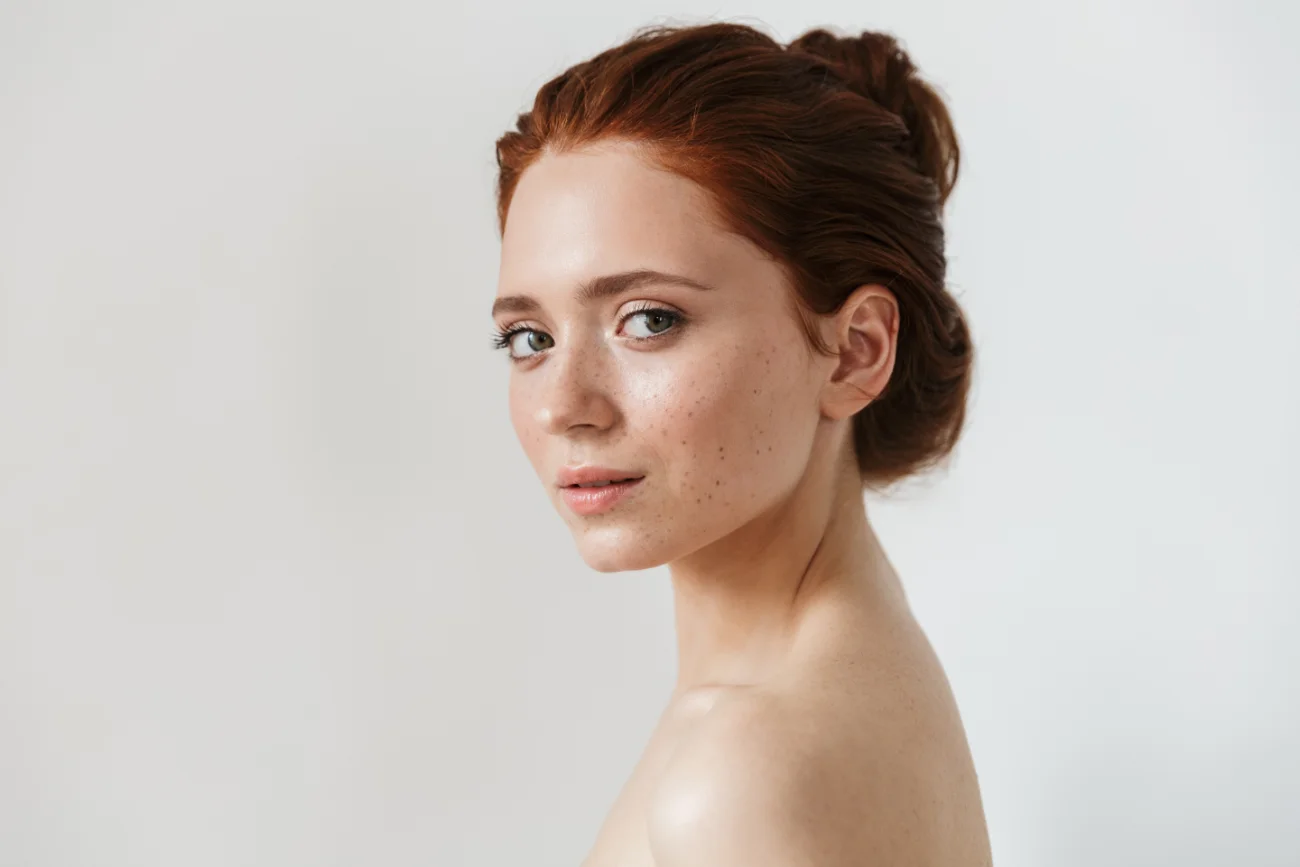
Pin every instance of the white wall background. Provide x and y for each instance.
(277, 585)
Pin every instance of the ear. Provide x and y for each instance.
(865, 334)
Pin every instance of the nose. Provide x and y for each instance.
(575, 391)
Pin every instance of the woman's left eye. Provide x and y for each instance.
(657, 320)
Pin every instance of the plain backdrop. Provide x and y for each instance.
(279, 587)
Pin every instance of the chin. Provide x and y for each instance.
(619, 550)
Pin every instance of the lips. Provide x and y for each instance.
(603, 482)
(600, 498)
(593, 475)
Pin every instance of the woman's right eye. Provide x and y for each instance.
(532, 339)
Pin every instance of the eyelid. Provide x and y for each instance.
(644, 306)
(518, 324)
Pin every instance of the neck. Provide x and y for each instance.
(739, 602)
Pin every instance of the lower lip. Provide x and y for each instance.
(591, 501)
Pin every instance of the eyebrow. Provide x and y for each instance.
(598, 288)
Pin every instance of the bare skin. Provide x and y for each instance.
(811, 722)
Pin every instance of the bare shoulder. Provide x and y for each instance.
(859, 761)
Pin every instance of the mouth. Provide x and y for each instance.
(605, 482)
(590, 498)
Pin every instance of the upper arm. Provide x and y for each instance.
(733, 823)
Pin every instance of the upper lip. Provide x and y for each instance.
(584, 475)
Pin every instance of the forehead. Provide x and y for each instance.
(606, 209)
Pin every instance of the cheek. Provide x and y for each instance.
(523, 419)
(737, 430)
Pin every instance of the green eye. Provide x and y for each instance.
(537, 341)
(657, 320)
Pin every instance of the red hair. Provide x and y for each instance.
(829, 153)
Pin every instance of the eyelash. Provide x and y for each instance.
(501, 337)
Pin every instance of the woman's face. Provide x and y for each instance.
(708, 396)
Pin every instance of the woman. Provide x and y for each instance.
(722, 296)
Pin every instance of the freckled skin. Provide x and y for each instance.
(691, 411)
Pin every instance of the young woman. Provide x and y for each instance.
(722, 296)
